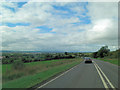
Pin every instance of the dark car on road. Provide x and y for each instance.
(88, 60)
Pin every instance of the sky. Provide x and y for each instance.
(58, 26)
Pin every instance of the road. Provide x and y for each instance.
(99, 74)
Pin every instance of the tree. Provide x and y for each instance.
(94, 55)
(66, 53)
(104, 51)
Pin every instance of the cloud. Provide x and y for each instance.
(104, 18)
(66, 20)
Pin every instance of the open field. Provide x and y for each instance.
(35, 72)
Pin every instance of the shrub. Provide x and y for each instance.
(18, 64)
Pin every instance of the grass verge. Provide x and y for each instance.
(53, 68)
(113, 61)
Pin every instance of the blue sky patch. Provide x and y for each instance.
(16, 24)
(44, 29)
(85, 20)
(20, 4)
(62, 10)
(71, 13)
(10, 8)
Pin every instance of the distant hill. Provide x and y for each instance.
(5, 51)
(10, 51)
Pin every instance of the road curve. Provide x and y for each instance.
(99, 74)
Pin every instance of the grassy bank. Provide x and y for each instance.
(35, 72)
(113, 61)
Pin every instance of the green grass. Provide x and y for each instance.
(8, 67)
(113, 61)
(54, 67)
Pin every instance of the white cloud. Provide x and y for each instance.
(68, 37)
(104, 17)
(103, 10)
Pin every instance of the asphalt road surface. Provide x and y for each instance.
(98, 74)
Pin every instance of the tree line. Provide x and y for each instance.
(9, 58)
(105, 52)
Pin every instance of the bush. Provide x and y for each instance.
(18, 64)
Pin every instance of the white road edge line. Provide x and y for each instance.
(106, 78)
(55, 78)
(104, 83)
